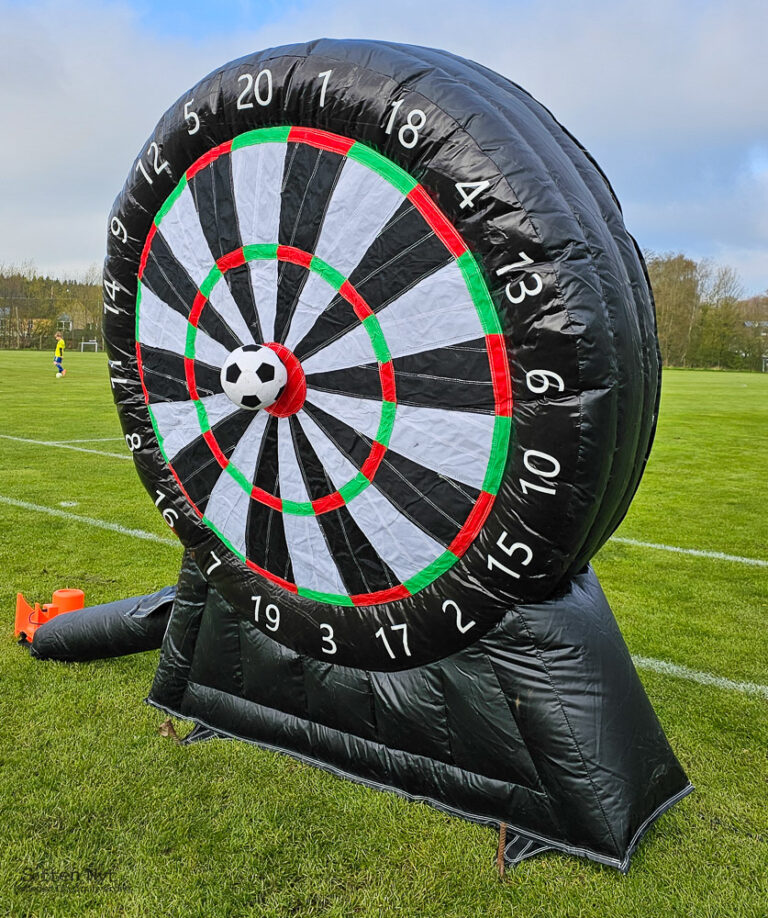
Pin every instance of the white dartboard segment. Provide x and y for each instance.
(178, 422)
(313, 564)
(229, 503)
(453, 443)
(361, 205)
(399, 542)
(164, 328)
(436, 312)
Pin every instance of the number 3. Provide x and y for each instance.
(329, 645)
(524, 290)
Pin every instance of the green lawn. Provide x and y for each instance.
(102, 816)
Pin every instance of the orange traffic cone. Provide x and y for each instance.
(29, 619)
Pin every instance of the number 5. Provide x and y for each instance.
(192, 118)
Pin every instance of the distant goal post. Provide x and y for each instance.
(89, 345)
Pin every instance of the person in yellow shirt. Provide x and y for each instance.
(59, 356)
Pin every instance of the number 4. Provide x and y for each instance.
(467, 200)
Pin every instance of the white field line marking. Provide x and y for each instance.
(57, 445)
(93, 440)
(89, 521)
(694, 675)
(659, 666)
(697, 552)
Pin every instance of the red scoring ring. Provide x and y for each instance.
(294, 395)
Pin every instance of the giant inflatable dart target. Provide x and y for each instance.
(385, 355)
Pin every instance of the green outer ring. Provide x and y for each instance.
(481, 299)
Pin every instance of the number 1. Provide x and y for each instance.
(391, 122)
(324, 74)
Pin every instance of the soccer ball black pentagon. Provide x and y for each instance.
(253, 377)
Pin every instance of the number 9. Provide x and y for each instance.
(118, 229)
(272, 615)
(544, 376)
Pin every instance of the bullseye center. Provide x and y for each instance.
(264, 376)
(295, 390)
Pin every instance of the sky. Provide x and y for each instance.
(669, 96)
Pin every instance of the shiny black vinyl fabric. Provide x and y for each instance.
(387, 569)
(113, 629)
(542, 724)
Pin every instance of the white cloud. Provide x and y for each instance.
(669, 97)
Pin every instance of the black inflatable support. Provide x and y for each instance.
(110, 630)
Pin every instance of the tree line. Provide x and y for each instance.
(703, 318)
(33, 307)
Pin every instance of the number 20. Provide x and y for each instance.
(256, 86)
(461, 626)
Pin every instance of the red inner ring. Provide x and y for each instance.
(362, 310)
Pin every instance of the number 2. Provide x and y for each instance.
(460, 625)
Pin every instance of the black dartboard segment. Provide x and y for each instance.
(417, 481)
(413, 255)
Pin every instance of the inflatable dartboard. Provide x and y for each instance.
(381, 345)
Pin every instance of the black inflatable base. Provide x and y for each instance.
(557, 740)
(564, 750)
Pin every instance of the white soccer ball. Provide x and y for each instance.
(253, 377)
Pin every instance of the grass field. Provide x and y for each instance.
(100, 815)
